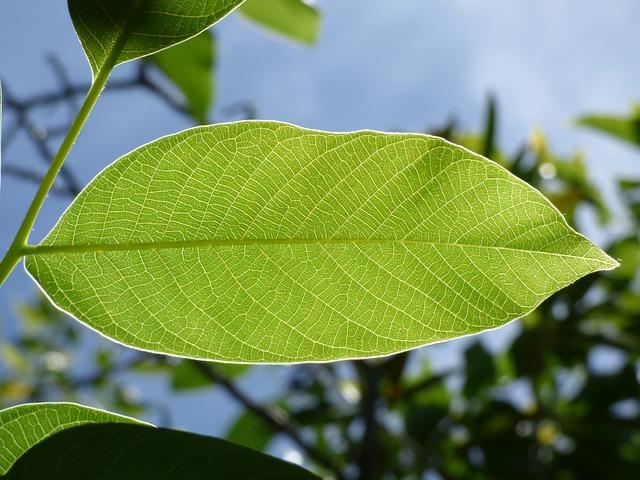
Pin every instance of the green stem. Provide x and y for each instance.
(15, 252)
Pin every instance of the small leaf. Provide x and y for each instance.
(24, 426)
(124, 30)
(264, 242)
(189, 66)
(622, 128)
(96, 447)
(250, 431)
(186, 375)
(295, 19)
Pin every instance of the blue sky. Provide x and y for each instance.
(406, 64)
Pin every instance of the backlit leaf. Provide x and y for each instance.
(295, 19)
(125, 30)
(24, 426)
(266, 242)
(69, 442)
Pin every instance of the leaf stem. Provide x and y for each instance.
(13, 255)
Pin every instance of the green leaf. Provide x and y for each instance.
(622, 128)
(250, 431)
(24, 426)
(117, 31)
(186, 376)
(74, 442)
(294, 19)
(189, 66)
(265, 242)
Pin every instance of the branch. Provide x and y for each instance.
(370, 375)
(277, 420)
(39, 138)
(25, 174)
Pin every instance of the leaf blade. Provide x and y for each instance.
(273, 243)
(128, 30)
(80, 442)
(24, 426)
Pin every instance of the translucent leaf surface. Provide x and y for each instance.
(71, 442)
(24, 426)
(190, 67)
(266, 242)
(293, 19)
(130, 29)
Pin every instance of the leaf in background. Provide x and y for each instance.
(119, 451)
(131, 29)
(24, 426)
(295, 19)
(622, 128)
(264, 242)
(186, 376)
(480, 369)
(189, 66)
(250, 431)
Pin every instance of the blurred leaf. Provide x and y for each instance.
(627, 252)
(423, 420)
(631, 194)
(189, 66)
(295, 19)
(480, 369)
(488, 147)
(622, 128)
(14, 358)
(250, 431)
(187, 376)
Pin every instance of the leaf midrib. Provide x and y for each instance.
(167, 245)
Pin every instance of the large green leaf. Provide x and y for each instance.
(123, 30)
(266, 242)
(294, 19)
(189, 66)
(69, 442)
(24, 426)
(622, 128)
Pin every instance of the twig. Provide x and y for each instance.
(275, 419)
(39, 138)
(25, 174)
(370, 378)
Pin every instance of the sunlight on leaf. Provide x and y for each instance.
(52, 441)
(265, 242)
(24, 426)
(134, 29)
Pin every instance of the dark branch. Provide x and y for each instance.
(370, 375)
(275, 419)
